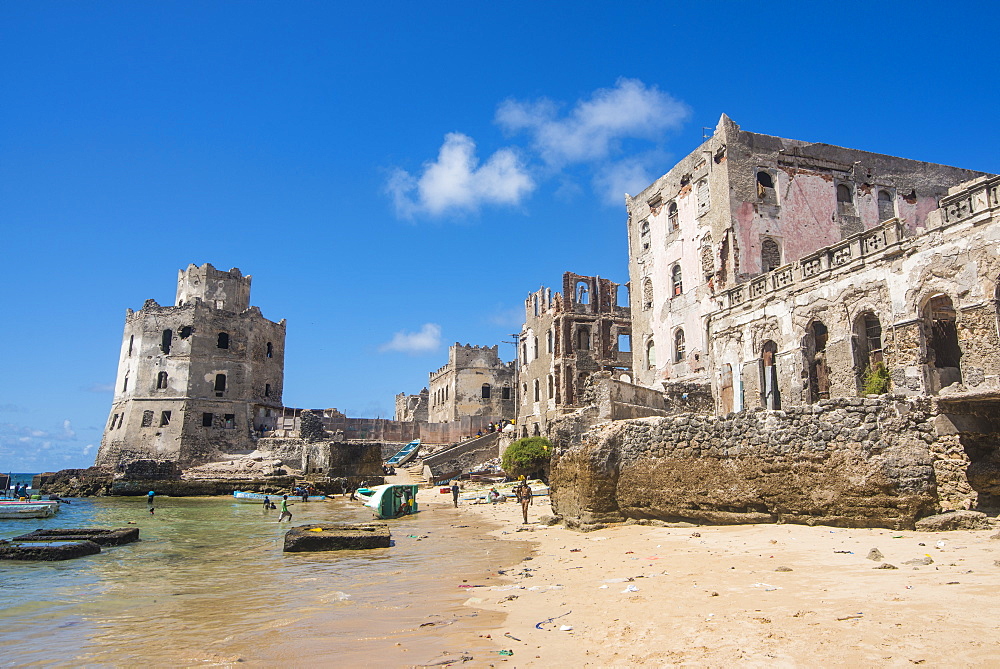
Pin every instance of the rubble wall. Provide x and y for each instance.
(850, 462)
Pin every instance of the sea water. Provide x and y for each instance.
(209, 585)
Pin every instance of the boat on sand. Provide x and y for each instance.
(392, 500)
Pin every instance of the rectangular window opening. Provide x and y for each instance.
(206, 419)
(230, 421)
(164, 418)
(147, 418)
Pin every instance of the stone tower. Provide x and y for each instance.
(197, 380)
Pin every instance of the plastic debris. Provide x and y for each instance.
(510, 636)
(538, 626)
(565, 628)
(630, 588)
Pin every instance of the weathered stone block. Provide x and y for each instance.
(955, 520)
(100, 536)
(336, 536)
(47, 551)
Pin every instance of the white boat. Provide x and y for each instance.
(10, 510)
(393, 500)
(258, 497)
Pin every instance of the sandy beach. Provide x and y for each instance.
(775, 595)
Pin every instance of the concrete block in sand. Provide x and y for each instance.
(336, 537)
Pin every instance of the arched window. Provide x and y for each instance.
(486, 391)
(583, 339)
(131, 342)
(223, 340)
(534, 302)
(650, 354)
(537, 394)
(815, 351)
(845, 200)
(770, 255)
(704, 201)
(769, 396)
(764, 180)
(644, 235)
(679, 347)
(537, 431)
(676, 280)
(548, 341)
(524, 393)
(524, 353)
(534, 343)
(267, 390)
(270, 350)
(886, 206)
(672, 221)
(220, 383)
(552, 387)
(647, 294)
(582, 293)
(868, 352)
(161, 380)
(168, 335)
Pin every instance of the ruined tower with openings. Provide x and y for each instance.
(197, 380)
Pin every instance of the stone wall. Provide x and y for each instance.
(462, 457)
(850, 462)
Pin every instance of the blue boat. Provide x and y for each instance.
(258, 497)
(404, 454)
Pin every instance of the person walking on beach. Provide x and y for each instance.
(149, 497)
(454, 493)
(284, 509)
(523, 493)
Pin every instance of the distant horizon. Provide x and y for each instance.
(394, 176)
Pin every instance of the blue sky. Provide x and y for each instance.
(398, 176)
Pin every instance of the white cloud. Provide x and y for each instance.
(100, 388)
(427, 339)
(612, 181)
(591, 130)
(456, 182)
(88, 448)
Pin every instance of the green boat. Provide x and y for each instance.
(393, 500)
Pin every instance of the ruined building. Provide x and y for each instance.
(567, 337)
(474, 382)
(413, 408)
(195, 380)
(744, 204)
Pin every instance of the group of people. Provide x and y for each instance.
(20, 490)
(285, 513)
(495, 427)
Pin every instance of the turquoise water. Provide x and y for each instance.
(209, 585)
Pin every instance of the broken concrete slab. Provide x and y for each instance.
(100, 536)
(336, 536)
(46, 551)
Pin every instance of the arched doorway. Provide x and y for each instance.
(814, 349)
(942, 351)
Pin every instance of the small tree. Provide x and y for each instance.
(875, 380)
(527, 456)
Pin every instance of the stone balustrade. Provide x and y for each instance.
(826, 261)
(983, 196)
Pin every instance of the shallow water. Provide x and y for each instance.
(208, 584)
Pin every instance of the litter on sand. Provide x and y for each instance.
(538, 626)
(630, 588)
(565, 628)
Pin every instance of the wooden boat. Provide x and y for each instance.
(258, 497)
(404, 454)
(393, 500)
(9, 510)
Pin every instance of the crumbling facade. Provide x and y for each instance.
(744, 204)
(474, 382)
(413, 408)
(567, 337)
(196, 380)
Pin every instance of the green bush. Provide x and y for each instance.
(526, 456)
(875, 380)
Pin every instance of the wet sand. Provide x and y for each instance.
(775, 595)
